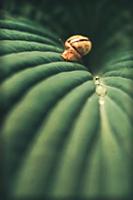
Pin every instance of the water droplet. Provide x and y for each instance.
(97, 80)
(101, 90)
(101, 100)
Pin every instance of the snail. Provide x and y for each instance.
(76, 47)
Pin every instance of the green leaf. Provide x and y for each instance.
(67, 134)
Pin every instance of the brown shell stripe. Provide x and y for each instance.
(77, 40)
(76, 49)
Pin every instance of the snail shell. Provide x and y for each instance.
(75, 47)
